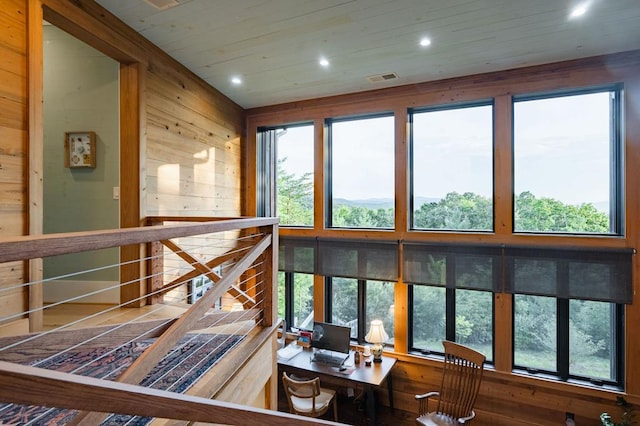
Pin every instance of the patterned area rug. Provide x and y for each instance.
(190, 358)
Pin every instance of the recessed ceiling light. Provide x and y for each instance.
(424, 42)
(324, 62)
(236, 80)
(578, 11)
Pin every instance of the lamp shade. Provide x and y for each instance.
(376, 333)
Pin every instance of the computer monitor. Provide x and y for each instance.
(331, 337)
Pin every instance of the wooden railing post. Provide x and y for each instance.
(269, 290)
(155, 266)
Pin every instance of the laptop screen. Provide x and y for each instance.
(331, 337)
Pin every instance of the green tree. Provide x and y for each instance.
(475, 325)
(344, 302)
(380, 298)
(534, 329)
(593, 319)
(345, 216)
(295, 197)
(428, 316)
(303, 298)
(550, 215)
(456, 211)
(470, 211)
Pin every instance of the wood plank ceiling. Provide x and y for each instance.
(274, 45)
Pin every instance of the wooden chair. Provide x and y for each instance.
(461, 378)
(307, 398)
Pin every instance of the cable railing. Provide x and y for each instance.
(78, 345)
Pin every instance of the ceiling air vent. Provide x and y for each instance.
(163, 4)
(382, 77)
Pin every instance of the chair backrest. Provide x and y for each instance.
(461, 379)
(301, 389)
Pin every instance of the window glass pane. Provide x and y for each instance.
(295, 175)
(591, 331)
(303, 300)
(380, 305)
(344, 303)
(534, 332)
(362, 173)
(428, 317)
(474, 320)
(281, 296)
(563, 164)
(452, 166)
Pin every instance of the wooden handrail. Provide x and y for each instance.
(36, 246)
(167, 332)
(23, 385)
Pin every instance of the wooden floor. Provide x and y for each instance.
(352, 412)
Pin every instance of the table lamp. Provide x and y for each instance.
(377, 336)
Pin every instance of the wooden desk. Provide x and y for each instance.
(369, 377)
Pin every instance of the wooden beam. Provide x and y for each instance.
(632, 227)
(36, 157)
(131, 266)
(503, 165)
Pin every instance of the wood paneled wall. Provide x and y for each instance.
(505, 398)
(180, 138)
(193, 150)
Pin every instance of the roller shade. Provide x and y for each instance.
(460, 266)
(593, 274)
(358, 259)
(603, 275)
(297, 255)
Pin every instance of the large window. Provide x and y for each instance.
(452, 168)
(567, 163)
(361, 172)
(294, 146)
(285, 174)
(566, 174)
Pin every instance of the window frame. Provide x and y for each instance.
(563, 349)
(267, 171)
(410, 162)
(450, 321)
(289, 297)
(616, 155)
(328, 148)
(361, 310)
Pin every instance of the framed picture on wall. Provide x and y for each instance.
(80, 149)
